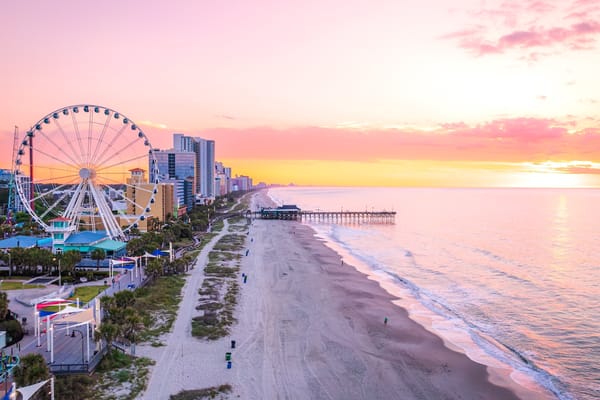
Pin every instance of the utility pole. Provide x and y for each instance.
(11, 208)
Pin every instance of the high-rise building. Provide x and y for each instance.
(204, 152)
(241, 183)
(183, 143)
(222, 180)
(175, 165)
(206, 166)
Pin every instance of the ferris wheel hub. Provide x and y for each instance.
(87, 173)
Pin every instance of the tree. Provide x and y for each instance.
(155, 268)
(98, 255)
(108, 332)
(32, 369)
(3, 305)
(69, 259)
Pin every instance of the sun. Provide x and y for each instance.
(552, 174)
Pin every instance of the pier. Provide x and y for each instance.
(349, 217)
(293, 213)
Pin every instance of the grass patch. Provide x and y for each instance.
(217, 226)
(87, 293)
(217, 320)
(230, 242)
(184, 242)
(238, 220)
(199, 394)
(207, 237)
(212, 306)
(121, 376)
(158, 305)
(193, 253)
(16, 285)
(215, 256)
(216, 270)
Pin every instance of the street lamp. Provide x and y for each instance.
(59, 272)
(9, 264)
(73, 335)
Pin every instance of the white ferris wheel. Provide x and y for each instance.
(75, 163)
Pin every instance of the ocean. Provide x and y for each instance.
(508, 276)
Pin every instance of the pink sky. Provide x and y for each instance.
(498, 87)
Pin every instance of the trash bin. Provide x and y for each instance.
(228, 364)
(227, 356)
(233, 344)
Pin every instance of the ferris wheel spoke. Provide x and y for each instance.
(55, 158)
(122, 162)
(55, 204)
(67, 140)
(127, 147)
(51, 191)
(129, 185)
(101, 138)
(55, 178)
(89, 141)
(110, 145)
(110, 223)
(56, 146)
(76, 128)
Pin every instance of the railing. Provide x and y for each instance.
(64, 369)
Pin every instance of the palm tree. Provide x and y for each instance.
(108, 332)
(69, 259)
(132, 324)
(98, 255)
(32, 369)
(154, 268)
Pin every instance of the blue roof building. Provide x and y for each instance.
(25, 242)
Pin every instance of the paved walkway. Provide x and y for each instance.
(179, 349)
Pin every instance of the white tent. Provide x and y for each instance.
(28, 391)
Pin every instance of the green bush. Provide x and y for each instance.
(14, 331)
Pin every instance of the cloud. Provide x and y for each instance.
(224, 116)
(502, 140)
(154, 124)
(507, 32)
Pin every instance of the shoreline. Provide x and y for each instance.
(501, 372)
(311, 327)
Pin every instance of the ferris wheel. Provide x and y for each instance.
(87, 163)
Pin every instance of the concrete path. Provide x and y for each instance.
(169, 374)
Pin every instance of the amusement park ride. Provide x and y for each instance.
(72, 164)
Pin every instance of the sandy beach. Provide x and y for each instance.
(310, 327)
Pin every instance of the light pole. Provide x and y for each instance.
(73, 335)
(59, 272)
(9, 264)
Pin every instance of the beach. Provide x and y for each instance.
(311, 327)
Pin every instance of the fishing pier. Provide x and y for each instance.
(293, 213)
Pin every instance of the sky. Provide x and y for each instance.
(461, 93)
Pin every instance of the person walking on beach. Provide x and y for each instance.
(385, 320)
